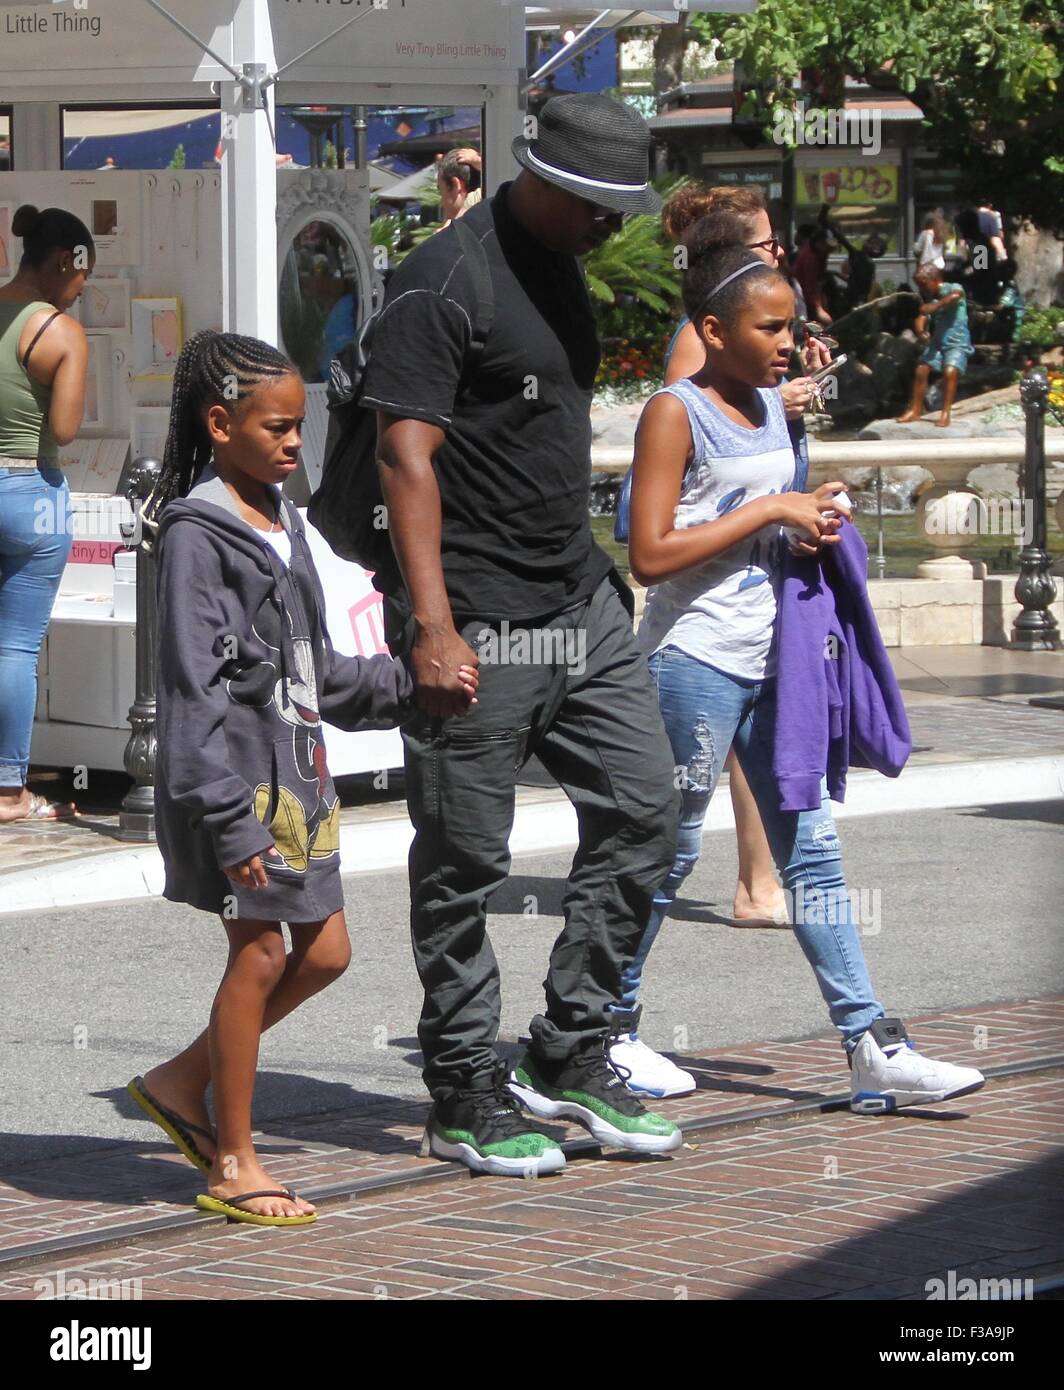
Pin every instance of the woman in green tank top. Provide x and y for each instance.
(43, 364)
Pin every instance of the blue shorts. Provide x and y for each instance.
(938, 359)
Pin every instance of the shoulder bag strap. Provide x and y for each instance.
(37, 335)
(478, 262)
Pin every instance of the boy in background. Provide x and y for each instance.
(943, 328)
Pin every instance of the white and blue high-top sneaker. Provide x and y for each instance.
(649, 1072)
(887, 1072)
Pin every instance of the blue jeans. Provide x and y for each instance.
(706, 712)
(35, 539)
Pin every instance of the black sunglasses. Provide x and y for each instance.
(601, 214)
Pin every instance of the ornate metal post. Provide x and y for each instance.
(361, 128)
(1035, 629)
(881, 557)
(137, 817)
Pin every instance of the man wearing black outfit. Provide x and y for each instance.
(484, 463)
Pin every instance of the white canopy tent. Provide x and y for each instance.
(250, 53)
(246, 215)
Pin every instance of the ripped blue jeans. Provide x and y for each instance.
(706, 712)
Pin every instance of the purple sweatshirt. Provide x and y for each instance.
(838, 702)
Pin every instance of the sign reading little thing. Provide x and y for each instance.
(42, 43)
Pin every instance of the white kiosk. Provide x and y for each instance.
(183, 250)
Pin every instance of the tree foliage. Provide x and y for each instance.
(634, 262)
(988, 74)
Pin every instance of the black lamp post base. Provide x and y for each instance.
(1035, 643)
(136, 826)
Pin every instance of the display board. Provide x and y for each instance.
(156, 281)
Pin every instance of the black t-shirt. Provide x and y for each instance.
(514, 471)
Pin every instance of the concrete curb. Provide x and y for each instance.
(546, 827)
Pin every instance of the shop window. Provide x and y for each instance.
(163, 136)
(6, 162)
(936, 188)
(863, 200)
(401, 138)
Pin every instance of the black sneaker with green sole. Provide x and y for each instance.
(590, 1089)
(483, 1127)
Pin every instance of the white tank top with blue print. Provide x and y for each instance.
(722, 611)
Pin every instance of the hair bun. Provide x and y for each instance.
(26, 220)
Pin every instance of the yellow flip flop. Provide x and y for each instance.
(222, 1206)
(179, 1129)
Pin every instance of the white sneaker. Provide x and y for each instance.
(888, 1072)
(649, 1072)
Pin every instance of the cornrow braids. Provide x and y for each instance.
(213, 369)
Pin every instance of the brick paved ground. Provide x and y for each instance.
(820, 1205)
(994, 727)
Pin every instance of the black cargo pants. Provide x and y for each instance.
(573, 689)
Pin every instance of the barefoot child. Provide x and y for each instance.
(948, 342)
(247, 817)
(711, 490)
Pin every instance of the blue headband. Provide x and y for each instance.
(750, 265)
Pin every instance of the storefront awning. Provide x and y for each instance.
(411, 188)
(889, 109)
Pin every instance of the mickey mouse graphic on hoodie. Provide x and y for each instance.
(246, 673)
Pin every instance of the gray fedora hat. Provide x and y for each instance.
(594, 147)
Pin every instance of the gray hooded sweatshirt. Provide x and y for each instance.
(246, 673)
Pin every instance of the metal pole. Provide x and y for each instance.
(361, 127)
(1035, 630)
(136, 820)
(249, 182)
(315, 46)
(222, 62)
(881, 558)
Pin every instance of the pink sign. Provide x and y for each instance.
(94, 552)
(367, 624)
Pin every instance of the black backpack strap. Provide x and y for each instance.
(478, 265)
(36, 335)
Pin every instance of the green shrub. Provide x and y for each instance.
(1040, 327)
(635, 262)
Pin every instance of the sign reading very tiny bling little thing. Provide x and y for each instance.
(436, 34)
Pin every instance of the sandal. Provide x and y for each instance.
(43, 809)
(176, 1126)
(227, 1207)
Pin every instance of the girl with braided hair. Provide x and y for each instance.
(247, 817)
